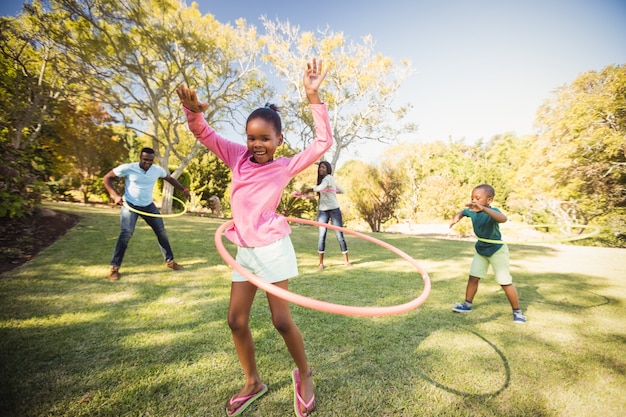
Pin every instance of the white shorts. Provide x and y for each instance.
(499, 261)
(274, 263)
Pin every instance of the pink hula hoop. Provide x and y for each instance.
(319, 304)
(300, 194)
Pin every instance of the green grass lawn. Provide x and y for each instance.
(156, 343)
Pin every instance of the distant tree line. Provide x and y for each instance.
(86, 84)
(572, 172)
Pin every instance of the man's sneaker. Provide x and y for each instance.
(519, 318)
(462, 308)
(114, 275)
(173, 265)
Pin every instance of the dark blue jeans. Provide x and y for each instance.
(334, 216)
(128, 221)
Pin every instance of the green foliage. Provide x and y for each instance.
(31, 81)
(132, 58)
(373, 191)
(438, 177)
(574, 171)
(72, 71)
(209, 176)
(85, 145)
(20, 182)
(580, 151)
(296, 207)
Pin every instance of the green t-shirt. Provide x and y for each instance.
(487, 228)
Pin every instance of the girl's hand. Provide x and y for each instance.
(313, 76)
(190, 99)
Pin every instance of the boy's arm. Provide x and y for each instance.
(457, 218)
(494, 214)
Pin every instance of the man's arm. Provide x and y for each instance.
(178, 185)
(108, 184)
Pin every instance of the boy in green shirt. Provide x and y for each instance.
(485, 221)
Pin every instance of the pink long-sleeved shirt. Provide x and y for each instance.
(256, 189)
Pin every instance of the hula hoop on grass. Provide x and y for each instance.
(319, 304)
(594, 231)
(144, 213)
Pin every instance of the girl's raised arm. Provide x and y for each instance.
(189, 98)
(313, 77)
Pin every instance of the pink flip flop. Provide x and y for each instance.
(247, 400)
(297, 398)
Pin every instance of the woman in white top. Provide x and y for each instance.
(328, 209)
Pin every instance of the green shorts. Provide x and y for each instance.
(273, 263)
(500, 263)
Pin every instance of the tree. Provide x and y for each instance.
(19, 184)
(209, 177)
(359, 89)
(32, 79)
(133, 54)
(86, 146)
(579, 158)
(374, 191)
(32, 85)
(437, 177)
(506, 155)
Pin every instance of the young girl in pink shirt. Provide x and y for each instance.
(261, 235)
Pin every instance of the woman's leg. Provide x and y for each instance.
(322, 217)
(337, 220)
(346, 261)
(241, 298)
(283, 322)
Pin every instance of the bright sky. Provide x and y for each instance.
(483, 67)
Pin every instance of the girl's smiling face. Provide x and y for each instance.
(263, 140)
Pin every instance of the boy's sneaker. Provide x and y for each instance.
(519, 318)
(173, 265)
(462, 308)
(114, 275)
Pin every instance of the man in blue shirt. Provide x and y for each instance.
(140, 178)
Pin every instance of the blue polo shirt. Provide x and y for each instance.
(487, 228)
(139, 183)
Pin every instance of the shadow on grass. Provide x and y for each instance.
(505, 365)
(157, 342)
